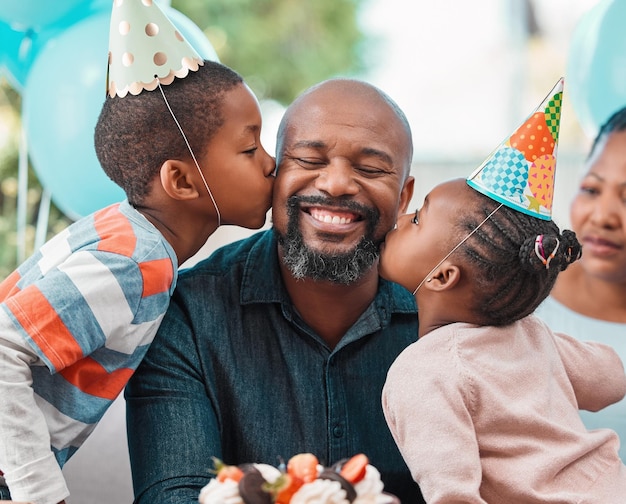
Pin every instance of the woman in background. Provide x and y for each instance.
(589, 299)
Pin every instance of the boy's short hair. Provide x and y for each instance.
(136, 134)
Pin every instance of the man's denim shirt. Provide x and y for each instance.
(234, 373)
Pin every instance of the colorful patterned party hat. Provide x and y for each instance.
(520, 172)
(145, 48)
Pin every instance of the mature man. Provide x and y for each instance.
(280, 343)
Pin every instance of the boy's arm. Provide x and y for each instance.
(595, 371)
(30, 468)
(53, 315)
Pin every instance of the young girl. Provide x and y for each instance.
(484, 407)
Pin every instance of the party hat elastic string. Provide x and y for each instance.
(427, 278)
(219, 219)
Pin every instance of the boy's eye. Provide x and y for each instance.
(250, 151)
(415, 219)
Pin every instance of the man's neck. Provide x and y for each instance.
(330, 309)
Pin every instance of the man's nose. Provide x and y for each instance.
(338, 178)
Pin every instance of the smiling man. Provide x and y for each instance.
(280, 343)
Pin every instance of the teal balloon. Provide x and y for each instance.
(20, 45)
(596, 65)
(63, 95)
(18, 51)
(192, 33)
(14, 48)
(35, 14)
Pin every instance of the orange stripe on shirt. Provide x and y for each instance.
(89, 376)
(116, 233)
(50, 333)
(9, 286)
(157, 276)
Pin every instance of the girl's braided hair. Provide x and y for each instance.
(515, 259)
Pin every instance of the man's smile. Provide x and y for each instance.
(332, 216)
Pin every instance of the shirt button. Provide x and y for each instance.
(337, 431)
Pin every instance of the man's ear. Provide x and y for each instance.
(406, 194)
(177, 181)
(444, 277)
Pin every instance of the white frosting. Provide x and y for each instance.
(370, 489)
(224, 492)
(320, 491)
(269, 472)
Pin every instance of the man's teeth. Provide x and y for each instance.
(332, 219)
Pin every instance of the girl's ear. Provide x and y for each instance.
(177, 181)
(445, 277)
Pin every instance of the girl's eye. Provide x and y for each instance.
(415, 219)
(250, 151)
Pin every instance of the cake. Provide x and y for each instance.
(303, 480)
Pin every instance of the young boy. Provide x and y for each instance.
(181, 136)
(484, 407)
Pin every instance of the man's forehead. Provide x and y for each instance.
(316, 117)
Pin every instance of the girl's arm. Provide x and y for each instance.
(595, 371)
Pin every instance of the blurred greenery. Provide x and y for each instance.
(279, 46)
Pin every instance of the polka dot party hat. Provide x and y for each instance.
(520, 172)
(144, 45)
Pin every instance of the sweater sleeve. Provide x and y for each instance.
(595, 371)
(56, 322)
(426, 401)
(29, 466)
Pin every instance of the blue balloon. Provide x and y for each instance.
(19, 50)
(596, 67)
(63, 95)
(192, 33)
(35, 14)
(10, 41)
(20, 47)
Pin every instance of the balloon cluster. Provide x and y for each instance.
(596, 67)
(55, 54)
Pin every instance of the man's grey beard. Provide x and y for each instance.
(344, 268)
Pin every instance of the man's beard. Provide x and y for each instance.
(341, 268)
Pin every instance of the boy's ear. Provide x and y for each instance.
(445, 277)
(177, 181)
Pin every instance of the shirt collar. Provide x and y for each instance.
(266, 286)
